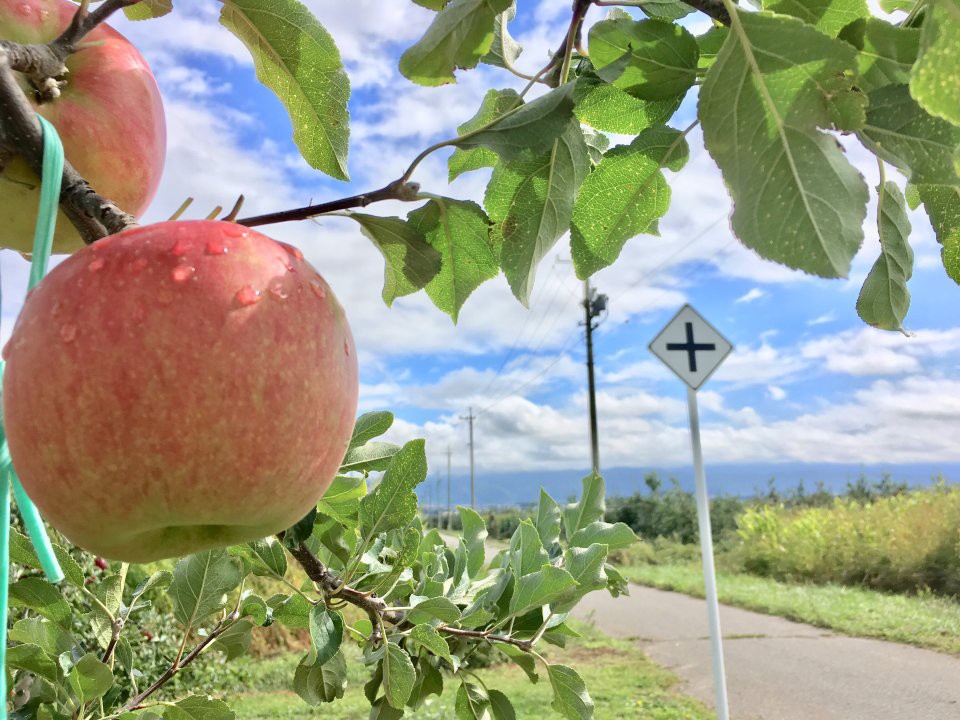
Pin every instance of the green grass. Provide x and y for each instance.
(924, 620)
(621, 680)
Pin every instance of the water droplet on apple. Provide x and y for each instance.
(292, 251)
(182, 273)
(278, 291)
(96, 265)
(247, 295)
(179, 248)
(234, 230)
(216, 247)
(138, 265)
(57, 309)
(318, 289)
(68, 332)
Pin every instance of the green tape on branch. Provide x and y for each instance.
(49, 202)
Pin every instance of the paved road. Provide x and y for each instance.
(781, 670)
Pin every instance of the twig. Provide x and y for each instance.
(178, 665)
(524, 645)
(397, 190)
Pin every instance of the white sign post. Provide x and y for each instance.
(693, 349)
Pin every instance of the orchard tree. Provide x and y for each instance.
(777, 86)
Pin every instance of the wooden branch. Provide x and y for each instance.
(397, 190)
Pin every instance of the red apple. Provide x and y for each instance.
(109, 116)
(177, 387)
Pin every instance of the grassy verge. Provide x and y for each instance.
(621, 681)
(926, 621)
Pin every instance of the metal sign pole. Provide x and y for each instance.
(706, 550)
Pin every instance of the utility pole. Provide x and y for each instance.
(594, 305)
(473, 497)
(449, 506)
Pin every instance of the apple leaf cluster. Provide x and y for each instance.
(434, 603)
(783, 90)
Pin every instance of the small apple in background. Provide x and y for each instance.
(109, 116)
(177, 387)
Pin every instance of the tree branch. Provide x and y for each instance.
(525, 645)
(397, 190)
(713, 8)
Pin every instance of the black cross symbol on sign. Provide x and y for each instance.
(690, 347)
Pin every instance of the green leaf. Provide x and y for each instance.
(32, 658)
(500, 706)
(526, 549)
(51, 637)
(147, 9)
(159, 580)
(39, 595)
(428, 636)
(21, 550)
(254, 607)
(393, 504)
(540, 588)
(570, 697)
(710, 43)
(381, 710)
(666, 9)
(297, 59)
(889, 6)
(942, 204)
(616, 536)
(475, 536)
(590, 507)
(439, 608)
(605, 107)
(899, 131)
(429, 682)
(760, 107)
(318, 683)
(525, 661)
(235, 640)
(504, 51)
(649, 59)
(342, 499)
(200, 585)
(301, 531)
(294, 612)
(372, 457)
(460, 34)
(268, 557)
(624, 195)
(525, 130)
(887, 52)
(72, 572)
(198, 707)
(398, 675)
(460, 230)
(495, 104)
(827, 16)
(548, 520)
(884, 298)
(472, 702)
(936, 76)
(431, 4)
(411, 262)
(90, 678)
(369, 426)
(586, 566)
(326, 632)
(109, 591)
(531, 203)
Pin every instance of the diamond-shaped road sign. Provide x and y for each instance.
(691, 347)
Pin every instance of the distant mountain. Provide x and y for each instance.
(521, 488)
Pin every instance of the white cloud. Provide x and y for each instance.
(822, 319)
(776, 393)
(751, 295)
(875, 352)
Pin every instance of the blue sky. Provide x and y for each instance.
(806, 382)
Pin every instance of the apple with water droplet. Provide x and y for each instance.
(109, 116)
(177, 387)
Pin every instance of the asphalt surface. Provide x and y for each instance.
(782, 670)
